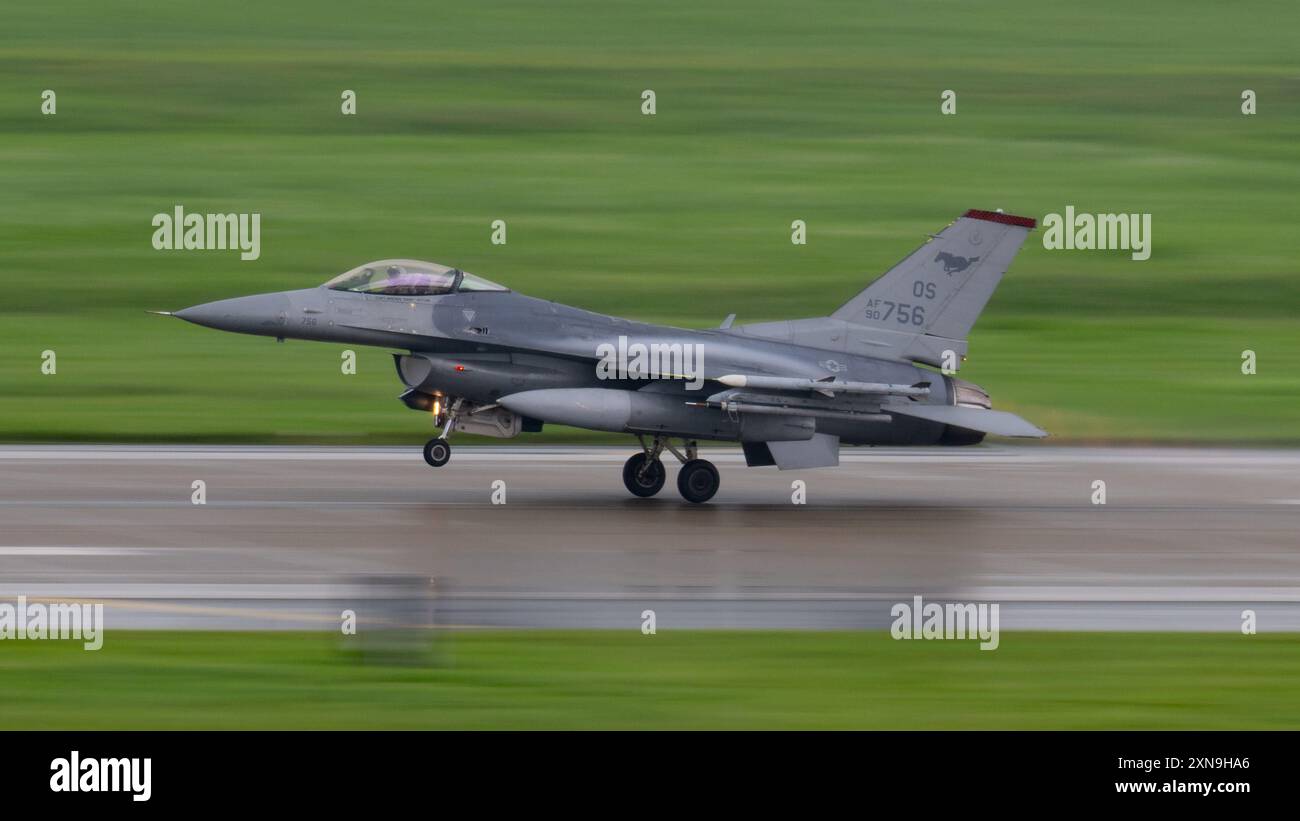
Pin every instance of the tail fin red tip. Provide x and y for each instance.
(998, 216)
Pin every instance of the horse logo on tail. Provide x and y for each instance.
(953, 264)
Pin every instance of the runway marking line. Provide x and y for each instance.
(205, 610)
(23, 550)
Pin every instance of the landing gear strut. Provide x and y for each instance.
(437, 451)
(644, 473)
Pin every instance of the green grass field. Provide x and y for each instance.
(680, 680)
(530, 113)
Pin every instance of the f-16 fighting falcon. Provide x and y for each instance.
(483, 359)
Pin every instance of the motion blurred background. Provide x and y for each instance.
(530, 113)
(527, 112)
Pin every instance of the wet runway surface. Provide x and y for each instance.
(289, 537)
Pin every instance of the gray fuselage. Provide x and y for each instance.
(484, 345)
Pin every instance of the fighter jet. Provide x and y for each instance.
(483, 359)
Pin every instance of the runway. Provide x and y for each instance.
(289, 537)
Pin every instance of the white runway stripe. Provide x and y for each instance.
(13, 550)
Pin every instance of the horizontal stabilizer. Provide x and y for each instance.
(999, 423)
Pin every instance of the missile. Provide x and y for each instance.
(819, 413)
(827, 387)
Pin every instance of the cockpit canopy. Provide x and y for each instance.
(409, 277)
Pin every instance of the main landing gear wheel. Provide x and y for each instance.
(437, 452)
(643, 476)
(698, 480)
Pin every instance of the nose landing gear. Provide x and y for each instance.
(644, 474)
(437, 451)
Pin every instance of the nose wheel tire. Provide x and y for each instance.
(698, 480)
(437, 452)
(642, 476)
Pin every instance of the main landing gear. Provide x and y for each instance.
(644, 474)
(437, 451)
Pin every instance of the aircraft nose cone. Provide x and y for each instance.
(261, 314)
